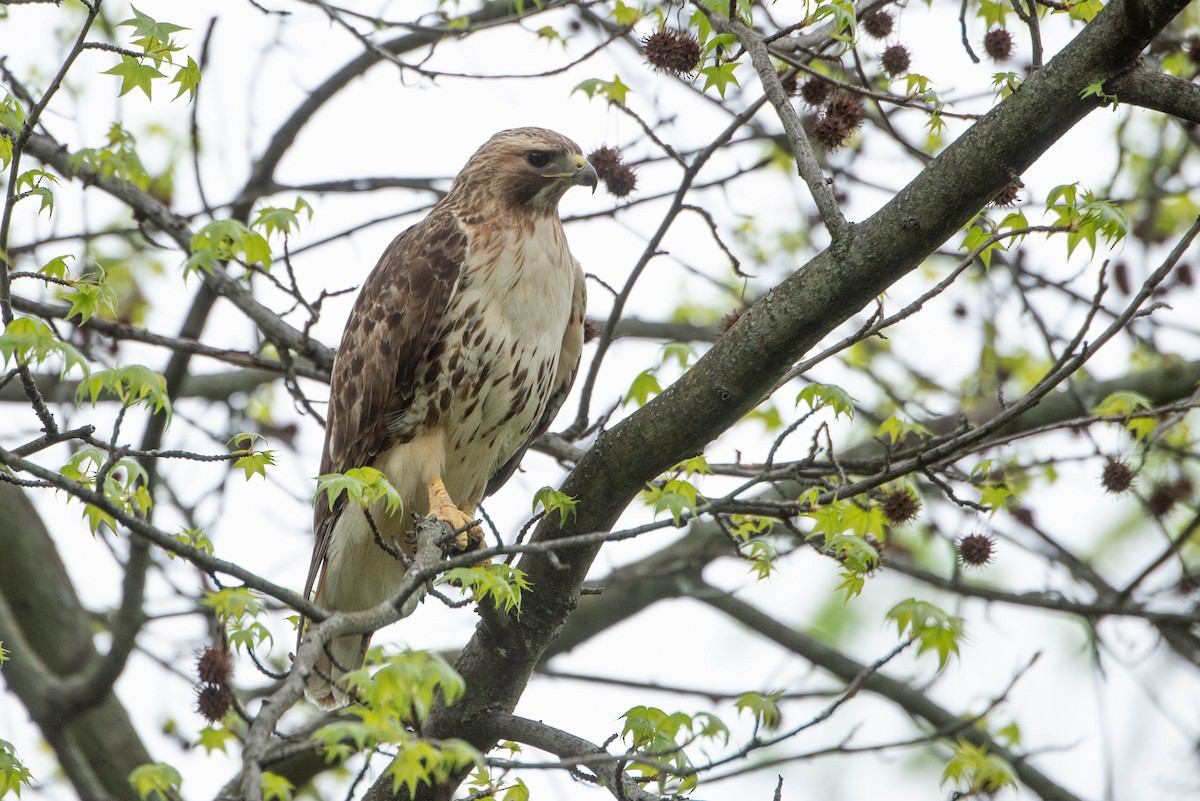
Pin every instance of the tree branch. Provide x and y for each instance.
(1157, 91)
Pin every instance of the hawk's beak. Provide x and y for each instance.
(585, 174)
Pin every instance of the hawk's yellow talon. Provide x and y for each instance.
(443, 508)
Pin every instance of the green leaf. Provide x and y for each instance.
(675, 496)
(188, 78)
(615, 90)
(518, 792)
(500, 583)
(818, 396)
(993, 12)
(976, 771)
(276, 788)
(625, 16)
(932, 628)
(28, 341)
(131, 385)
(146, 26)
(156, 780)
(13, 774)
(720, 76)
(644, 387)
(842, 12)
(362, 485)
(553, 501)
(134, 75)
(897, 430)
(274, 220)
(224, 240)
(89, 297)
(213, 739)
(251, 461)
(1097, 90)
(764, 708)
(1131, 406)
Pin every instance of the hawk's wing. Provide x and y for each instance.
(568, 365)
(389, 335)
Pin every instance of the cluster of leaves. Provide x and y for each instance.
(362, 486)
(659, 739)
(845, 526)
(123, 483)
(239, 610)
(751, 532)
(158, 48)
(931, 627)
(676, 493)
(501, 584)
(28, 342)
(395, 699)
(976, 771)
(552, 501)
(155, 781)
(13, 774)
(249, 459)
(130, 385)
(12, 117)
(118, 159)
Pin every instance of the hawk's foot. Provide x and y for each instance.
(443, 508)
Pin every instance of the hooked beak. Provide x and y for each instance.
(585, 174)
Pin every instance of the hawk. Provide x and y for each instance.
(459, 351)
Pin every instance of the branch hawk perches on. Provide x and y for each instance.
(459, 351)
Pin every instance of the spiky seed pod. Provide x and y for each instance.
(815, 91)
(618, 176)
(1166, 494)
(846, 108)
(896, 60)
(1161, 499)
(672, 51)
(1121, 277)
(998, 43)
(1007, 196)
(900, 506)
(213, 666)
(730, 319)
(831, 132)
(1022, 514)
(1188, 584)
(1117, 476)
(1183, 274)
(976, 550)
(789, 80)
(878, 24)
(590, 331)
(213, 701)
(622, 182)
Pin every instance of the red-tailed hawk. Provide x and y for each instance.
(459, 351)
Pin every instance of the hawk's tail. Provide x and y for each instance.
(339, 658)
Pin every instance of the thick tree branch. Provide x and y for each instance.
(98, 747)
(1157, 91)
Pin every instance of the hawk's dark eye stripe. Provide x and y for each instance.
(537, 158)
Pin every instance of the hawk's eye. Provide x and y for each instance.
(537, 158)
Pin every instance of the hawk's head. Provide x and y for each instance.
(525, 169)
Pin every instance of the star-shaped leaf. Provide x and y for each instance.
(134, 75)
(146, 26)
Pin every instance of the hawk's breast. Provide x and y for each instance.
(497, 363)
